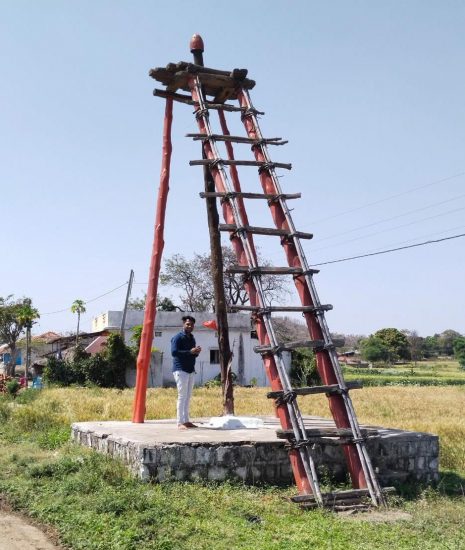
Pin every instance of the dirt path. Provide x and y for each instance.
(18, 533)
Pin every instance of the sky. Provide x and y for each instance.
(370, 95)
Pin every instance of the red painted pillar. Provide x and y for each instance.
(145, 350)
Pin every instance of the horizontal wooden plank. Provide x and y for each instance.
(242, 195)
(264, 270)
(311, 390)
(187, 99)
(269, 270)
(214, 82)
(227, 162)
(289, 346)
(237, 139)
(327, 432)
(337, 496)
(271, 309)
(265, 231)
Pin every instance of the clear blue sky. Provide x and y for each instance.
(369, 94)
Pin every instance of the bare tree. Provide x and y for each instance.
(193, 277)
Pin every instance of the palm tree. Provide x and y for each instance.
(78, 307)
(26, 315)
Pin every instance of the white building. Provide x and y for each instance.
(247, 365)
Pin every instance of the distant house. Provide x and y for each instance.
(247, 365)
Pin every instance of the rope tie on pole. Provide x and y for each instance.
(286, 398)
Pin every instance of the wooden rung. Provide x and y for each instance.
(264, 270)
(269, 270)
(312, 433)
(241, 195)
(305, 309)
(187, 99)
(260, 164)
(335, 343)
(264, 231)
(288, 346)
(337, 496)
(331, 389)
(238, 139)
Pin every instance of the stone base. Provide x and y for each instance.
(157, 450)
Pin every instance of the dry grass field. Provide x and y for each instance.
(435, 409)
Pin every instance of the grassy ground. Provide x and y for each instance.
(95, 504)
(422, 373)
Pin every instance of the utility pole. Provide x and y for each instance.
(197, 48)
(128, 295)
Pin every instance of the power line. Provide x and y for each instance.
(390, 250)
(394, 217)
(86, 301)
(435, 233)
(390, 229)
(437, 182)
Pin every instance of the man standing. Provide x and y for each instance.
(184, 351)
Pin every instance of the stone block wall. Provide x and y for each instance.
(396, 455)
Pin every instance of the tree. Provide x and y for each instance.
(396, 343)
(373, 349)
(459, 350)
(15, 316)
(137, 303)
(430, 346)
(446, 341)
(415, 343)
(193, 277)
(78, 306)
(163, 304)
(27, 315)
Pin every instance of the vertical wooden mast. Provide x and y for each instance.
(197, 49)
(145, 350)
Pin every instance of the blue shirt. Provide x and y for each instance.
(181, 346)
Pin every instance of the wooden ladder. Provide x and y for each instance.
(223, 86)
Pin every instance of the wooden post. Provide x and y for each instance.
(196, 46)
(145, 350)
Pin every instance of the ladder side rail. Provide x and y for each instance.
(295, 257)
(306, 482)
(285, 381)
(301, 255)
(365, 462)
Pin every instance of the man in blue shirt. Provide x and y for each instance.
(184, 351)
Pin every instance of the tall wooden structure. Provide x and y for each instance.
(212, 91)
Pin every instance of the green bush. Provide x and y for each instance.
(13, 387)
(106, 369)
(303, 368)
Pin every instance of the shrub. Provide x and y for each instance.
(303, 368)
(13, 387)
(106, 369)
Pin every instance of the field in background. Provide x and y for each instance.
(435, 372)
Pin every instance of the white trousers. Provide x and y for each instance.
(185, 384)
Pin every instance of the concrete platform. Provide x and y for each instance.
(157, 450)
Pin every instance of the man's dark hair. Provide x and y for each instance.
(188, 318)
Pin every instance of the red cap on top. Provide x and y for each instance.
(196, 43)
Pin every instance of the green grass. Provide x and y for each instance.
(94, 503)
(422, 373)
